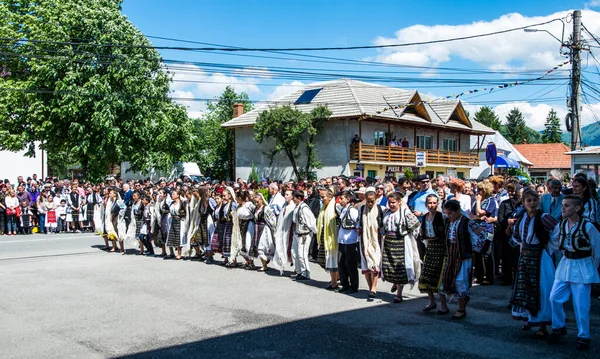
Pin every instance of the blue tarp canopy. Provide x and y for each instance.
(505, 162)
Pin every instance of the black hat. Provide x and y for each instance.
(422, 177)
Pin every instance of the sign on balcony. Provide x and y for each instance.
(391, 169)
(421, 159)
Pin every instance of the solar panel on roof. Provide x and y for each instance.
(307, 96)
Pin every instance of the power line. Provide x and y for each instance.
(249, 49)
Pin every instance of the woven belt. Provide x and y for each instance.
(578, 255)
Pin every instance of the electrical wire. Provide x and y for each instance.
(249, 49)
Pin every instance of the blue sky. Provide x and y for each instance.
(349, 23)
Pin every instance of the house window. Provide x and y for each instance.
(371, 173)
(379, 138)
(460, 175)
(449, 144)
(424, 142)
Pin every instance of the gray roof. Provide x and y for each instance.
(502, 144)
(352, 99)
(590, 150)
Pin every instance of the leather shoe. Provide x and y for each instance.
(343, 289)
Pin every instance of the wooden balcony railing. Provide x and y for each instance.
(408, 155)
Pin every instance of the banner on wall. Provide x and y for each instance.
(451, 172)
(421, 159)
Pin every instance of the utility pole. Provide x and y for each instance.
(576, 81)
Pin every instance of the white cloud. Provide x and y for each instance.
(507, 50)
(592, 3)
(190, 81)
(535, 114)
(284, 89)
(195, 109)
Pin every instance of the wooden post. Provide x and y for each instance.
(359, 139)
(438, 140)
(415, 137)
(389, 139)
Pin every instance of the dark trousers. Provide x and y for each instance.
(348, 265)
(484, 264)
(145, 239)
(510, 258)
(314, 248)
(3, 222)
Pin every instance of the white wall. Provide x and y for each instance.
(14, 164)
(332, 146)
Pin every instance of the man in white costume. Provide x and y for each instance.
(277, 201)
(579, 241)
(304, 225)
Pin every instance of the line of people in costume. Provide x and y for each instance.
(402, 239)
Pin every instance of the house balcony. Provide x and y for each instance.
(389, 154)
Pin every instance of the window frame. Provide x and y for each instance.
(446, 144)
(422, 142)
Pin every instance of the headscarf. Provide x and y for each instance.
(232, 193)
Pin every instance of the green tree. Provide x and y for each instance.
(288, 127)
(253, 176)
(552, 132)
(486, 116)
(516, 129)
(85, 83)
(216, 144)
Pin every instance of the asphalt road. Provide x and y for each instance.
(63, 297)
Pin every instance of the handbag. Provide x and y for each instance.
(18, 212)
(10, 212)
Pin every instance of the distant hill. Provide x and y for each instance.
(590, 135)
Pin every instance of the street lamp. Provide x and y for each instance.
(538, 30)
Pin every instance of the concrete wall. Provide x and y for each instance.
(16, 164)
(332, 147)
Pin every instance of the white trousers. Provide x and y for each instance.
(561, 291)
(300, 248)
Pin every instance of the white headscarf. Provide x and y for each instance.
(232, 193)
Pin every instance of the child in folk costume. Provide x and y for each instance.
(535, 268)
(400, 263)
(433, 234)
(369, 226)
(50, 214)
(579, 240)
(61, 216)
(284, 234)
(243, 230)
(461, 239)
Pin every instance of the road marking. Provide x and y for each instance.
(49, 238)
(48, 255)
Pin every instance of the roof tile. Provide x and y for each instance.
(546, 155)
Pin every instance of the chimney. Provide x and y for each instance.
(238, 109)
